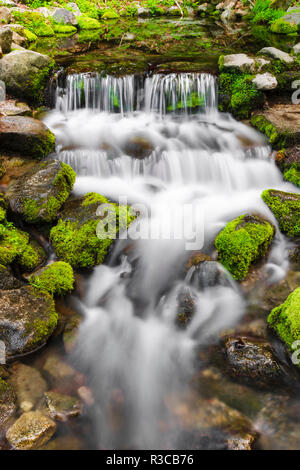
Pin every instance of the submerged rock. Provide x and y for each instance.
(7, 405)
(26, 136)
(62, 407)
(28, 385)
(252, 361)
(25, 74)
(31, 430)
(286, 209)
(27, 319)
(38, 195)
(242, 242)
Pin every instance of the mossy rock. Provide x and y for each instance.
(278, 135)
(84, 22)
(27, 320)
(285, 319)
(62, 407)
(293, 174)
(38, 195)
(242, 242)
(280, 26)
(75, 238)
(30, 431)
(32, 257)
(56, 278)
(7, 405)
(64, 29)
(109, 15)
(34, 22)
(7, 280)
(286, 209)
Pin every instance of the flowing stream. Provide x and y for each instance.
(160, 144)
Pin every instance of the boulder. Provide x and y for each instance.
(62, 407)
(237, 62)
(28, 385)
(26, 136)
(6, 37)
(293, 17)
(31, 430)
(7, 405)
(75, 8)
(286, 209)
(296, 48)
(265, 81)
(143, 12)
(38, 195)
(277, 54)
(14, 108)
(27, 319)
(64, 16)
(25, 74)
(5, 15)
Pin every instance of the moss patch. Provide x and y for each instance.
(84, 22)
(283, 27)
(286, 208)
(278, 139)
(293, 174)
(243, 241)
(57, 278)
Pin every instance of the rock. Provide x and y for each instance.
(7, 405)
(46, 12)
(25, 74)
(243, 241)
(143, 12)
(196, 259)
(202, 8)
(27, 319)
(286, 209)
(38, 195)
(26, 136)
(64, 443)
(289, 163)
(57, 278)
(252, 361)
(64, 16)
(28, 385)
(14, 108)
(71, 330)
(277, 54)
(63, 377)
(280, 123)
(7, 280)
(62, 407)
(31, 430)
(8, 3)
(209, 274)
(6, 35)
(17, 40)
(75, 8)
(237, 62)
(228, 16)
(174, 11)
(5, 15)
(138, 147)
(296, 48)
(265, 81)
(293, 17)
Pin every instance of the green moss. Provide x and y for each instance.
(283, 27)
(286, 208)
(88, 7)
(32, 256)
(293, 174)
(263, 13)
(109, 15)
(85, 22)
(43, 328)
(37, 85)
(77, 243)
(285, 319)
(29, 35)
(57, 278)
(12, 243)
(278, 139)
(243, 241)
(34, 22)
(64, 29)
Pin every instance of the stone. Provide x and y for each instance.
(202, 8)
(63, 377)
(8, 3)
(28, 385)
(286, 209)
(174, 11)
(25, 73)
(5, 15)
(296, 48)
(277, 54)
(293, 17)
(143, 12)
(75, 8)
(38, 195)
(7, 405)
(62, 407)
(265, 81)
(228, 16)
(26, 136)
(6, 36)
(252, 361)
(7, 280)
(27, 319)
(238, 62)
(31, 430)
(64, 16)
(17, 40)
(14, 108)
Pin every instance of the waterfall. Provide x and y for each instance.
(159, 142)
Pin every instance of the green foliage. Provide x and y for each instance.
(64, 29)
(109, 15)
(285, 319)
(85, 22)
(34, 22)
(286, 208)
(263, 13)
(88, 7)
(56, 278)
(283, 27)
(293, 174)
(243, 241)
(241, 93)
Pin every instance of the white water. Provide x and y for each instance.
(130, 345)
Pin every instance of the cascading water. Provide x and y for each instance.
(158, 141)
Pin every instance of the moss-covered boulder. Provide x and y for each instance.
(289, 163)
(26, 136)
(286, 208)
(56, 278)
(75, 238)
(25, 74)
(84, 22)
(31, 430)
(7, 405)
(38, 195)
(27, 319)
(242, 242)
(285, 319)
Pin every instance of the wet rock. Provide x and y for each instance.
(63, 377)
(28, 385)
(7, 405)
(138, 147)
(14, 108)
(5, 39)
(62, 407)
(26, 136)
(252, 361)
(265, 81)
(286, 209)
(25, 74)
(196, 259)
(64, 443)
(5, 15)
(7, 279)
(38, 195)
(209, 274)
(277, 54)
(27, 319)
(31, 430)
(269, 297)
(70, 334)
(64, 16)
